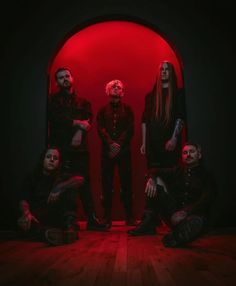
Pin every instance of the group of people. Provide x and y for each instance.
(179, 192)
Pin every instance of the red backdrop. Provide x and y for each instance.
(115, 50)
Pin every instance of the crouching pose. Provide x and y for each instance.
(181, 195)
(48, 202)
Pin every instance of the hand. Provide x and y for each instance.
(178, 216)
(24, 222)
(84, 124)
(114, 150)
(77, 138)
(53, 197)
(143, 149)
(151, 188)
(171, 144)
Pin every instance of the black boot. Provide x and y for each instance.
(130, 221)
(107, 217)
(71, 223)
(147, 226)
(94, 224)
(67, 234)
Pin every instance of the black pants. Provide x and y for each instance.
(77, 163)
(166, 207)
(55, 214)
(123, 162)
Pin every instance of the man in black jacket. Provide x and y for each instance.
(115, 123)
(70, 119)
(47, 202)
(182, 195)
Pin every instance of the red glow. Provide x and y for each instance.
(115, 50)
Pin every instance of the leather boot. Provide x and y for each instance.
(147, 226)
(94, 224)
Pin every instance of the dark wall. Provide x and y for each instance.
(203, 40)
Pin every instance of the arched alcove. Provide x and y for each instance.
(109, 50)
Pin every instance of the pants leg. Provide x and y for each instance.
(80, 166)
(125, 173)
(107, 168)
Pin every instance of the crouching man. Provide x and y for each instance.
(181, 195)
(48, 202)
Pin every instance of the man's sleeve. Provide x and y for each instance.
(87, 111)
(164, 173)
(103, 134)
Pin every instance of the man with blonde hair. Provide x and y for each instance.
(115, 123)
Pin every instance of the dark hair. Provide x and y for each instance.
(61, 69)
(39, 167)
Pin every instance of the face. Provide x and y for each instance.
(116, 90)
(64, 79)
(51, 160)
(191, 155)
(165, 72)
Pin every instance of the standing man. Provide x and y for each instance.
(163, 119)
(115, 123)
(70, 119)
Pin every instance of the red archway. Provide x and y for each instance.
(115, 50)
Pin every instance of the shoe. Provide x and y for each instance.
(131, 222)
(141, 230)
(70, 236)
(94, 224)
(71, 223)
(108, 223)
(56, 236)
(169, 240)
(147, 226)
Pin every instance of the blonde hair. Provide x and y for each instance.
(111, 83)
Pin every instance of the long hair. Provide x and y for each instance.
(163, 109)
(39, 167)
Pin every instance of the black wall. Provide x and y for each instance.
(203, 39)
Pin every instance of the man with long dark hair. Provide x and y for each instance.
(163, 119)
(48, 206)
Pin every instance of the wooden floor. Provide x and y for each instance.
(113, 258)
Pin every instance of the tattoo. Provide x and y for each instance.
(178, 127)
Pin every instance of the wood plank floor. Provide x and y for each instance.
(113, 258)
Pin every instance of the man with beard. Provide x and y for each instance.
(70, 119)
(115, 123)
(181, 195)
